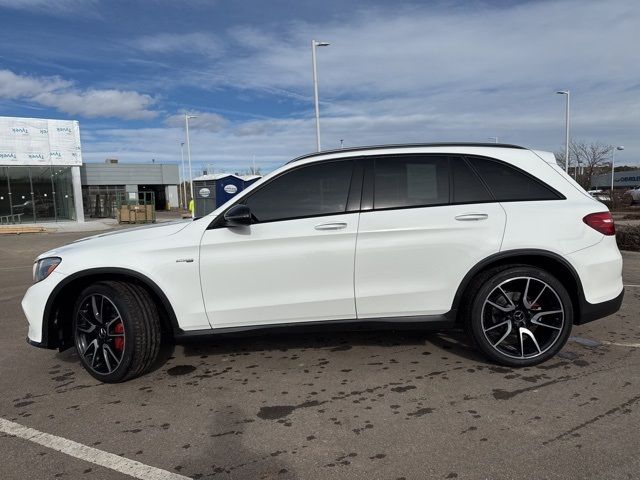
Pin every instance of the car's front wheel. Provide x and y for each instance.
(520, 316)
(116, 330)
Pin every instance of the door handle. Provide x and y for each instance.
(331, 226)
(471, 217)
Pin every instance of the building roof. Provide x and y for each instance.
(129, 174)
(215, 176)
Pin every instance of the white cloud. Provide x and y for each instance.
(99, 103)
(430, 73)
(275, 141)
(395, 50)
(453, 72)
(14, 86)
(62, 95)
(222, 149)
(53, 8)
(202, 121)
(186, 44)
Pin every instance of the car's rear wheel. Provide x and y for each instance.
(519, 316)
(116, 330)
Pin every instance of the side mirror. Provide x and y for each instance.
(238, 215)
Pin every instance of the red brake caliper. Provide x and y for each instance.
(119, 341)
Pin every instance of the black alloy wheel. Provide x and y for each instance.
(100, 335)
(117, 330)
(520, 316)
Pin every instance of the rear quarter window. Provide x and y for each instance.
(509, 184)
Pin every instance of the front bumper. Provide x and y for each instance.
(34, 304)
(36, 344)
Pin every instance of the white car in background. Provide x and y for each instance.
(496, 239)
(634, 193)
(600, 195)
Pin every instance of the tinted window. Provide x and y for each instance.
(319, 189)
(467, 187)
(507, 183)
(411, 181)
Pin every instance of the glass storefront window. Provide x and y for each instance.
(5, 198)
(43, 194)
(63, 193)
(36, 194)
(21, 194)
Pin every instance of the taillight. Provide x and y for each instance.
(602, 222)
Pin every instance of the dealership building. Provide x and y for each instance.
(104, 183)
(43, 178)
(623, 180)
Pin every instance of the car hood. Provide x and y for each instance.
(119, 237)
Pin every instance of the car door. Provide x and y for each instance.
(426, 221)
(294, 263)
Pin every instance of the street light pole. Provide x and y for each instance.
(566, 142)
(184, 177)
(613, 165)
(186, 125)
(314, 45)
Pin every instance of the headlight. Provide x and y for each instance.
(43, 268)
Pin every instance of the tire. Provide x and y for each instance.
(116, 330)
(512, 330)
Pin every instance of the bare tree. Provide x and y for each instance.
(587, 159)
(252, 171)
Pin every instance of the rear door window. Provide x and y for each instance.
(410, 181)
(467, 186)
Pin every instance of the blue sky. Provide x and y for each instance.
(395, 72)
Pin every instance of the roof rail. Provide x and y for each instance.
(407, 145)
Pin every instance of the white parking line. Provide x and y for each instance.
(633, 286)
(630, 345)
(88, 454)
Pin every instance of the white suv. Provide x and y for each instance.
(496, 239)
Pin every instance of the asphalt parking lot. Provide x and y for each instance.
(371, 405)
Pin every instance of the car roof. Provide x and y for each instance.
(406, 145)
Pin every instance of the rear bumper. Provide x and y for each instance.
(599, 269)
(593, 311)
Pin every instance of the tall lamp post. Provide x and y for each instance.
(184, 177)
(566, 141)
(613, 165)
(314, 45)
(186, 126)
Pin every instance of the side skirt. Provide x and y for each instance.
(420, 322)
